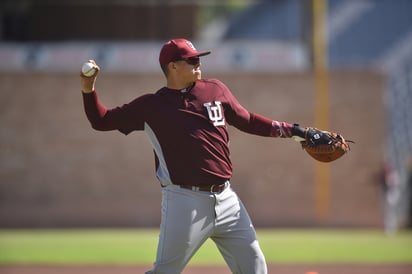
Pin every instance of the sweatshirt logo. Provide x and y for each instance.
(215, 113)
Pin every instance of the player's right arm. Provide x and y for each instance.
(125, 118)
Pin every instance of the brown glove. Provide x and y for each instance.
(324, 146)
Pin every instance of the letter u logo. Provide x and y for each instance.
(215, 113)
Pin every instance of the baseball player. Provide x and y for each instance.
(186, 122)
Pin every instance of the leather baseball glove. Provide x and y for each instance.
(323, 146)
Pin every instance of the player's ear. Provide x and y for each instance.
(172, 65)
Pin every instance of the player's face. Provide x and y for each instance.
(189, 69)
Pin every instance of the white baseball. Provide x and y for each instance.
(88, 69)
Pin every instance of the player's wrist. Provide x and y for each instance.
(299, 131)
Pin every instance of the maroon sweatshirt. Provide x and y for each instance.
(187, 129)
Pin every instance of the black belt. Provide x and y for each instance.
(211, 189)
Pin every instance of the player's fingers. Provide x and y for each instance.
(94, 63)
(90, 78)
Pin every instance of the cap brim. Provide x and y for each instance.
(202, 53)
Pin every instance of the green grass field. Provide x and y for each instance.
(138, 246)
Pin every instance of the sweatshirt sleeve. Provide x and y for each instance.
(254, 123)
(124, 118)
(262, 126)
(95, 111)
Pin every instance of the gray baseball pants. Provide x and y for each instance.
(190, 217)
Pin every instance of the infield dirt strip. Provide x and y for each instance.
(273, 269)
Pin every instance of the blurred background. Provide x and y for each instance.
(340, 65)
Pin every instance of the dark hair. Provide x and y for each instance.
(164, 69)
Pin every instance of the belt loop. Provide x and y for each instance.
(211, 188)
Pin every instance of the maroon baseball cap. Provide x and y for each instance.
(178, 49)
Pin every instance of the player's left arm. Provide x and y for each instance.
(260, 125)
(323, 146)
(257, 124)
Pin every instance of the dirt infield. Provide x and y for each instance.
(276, 269)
